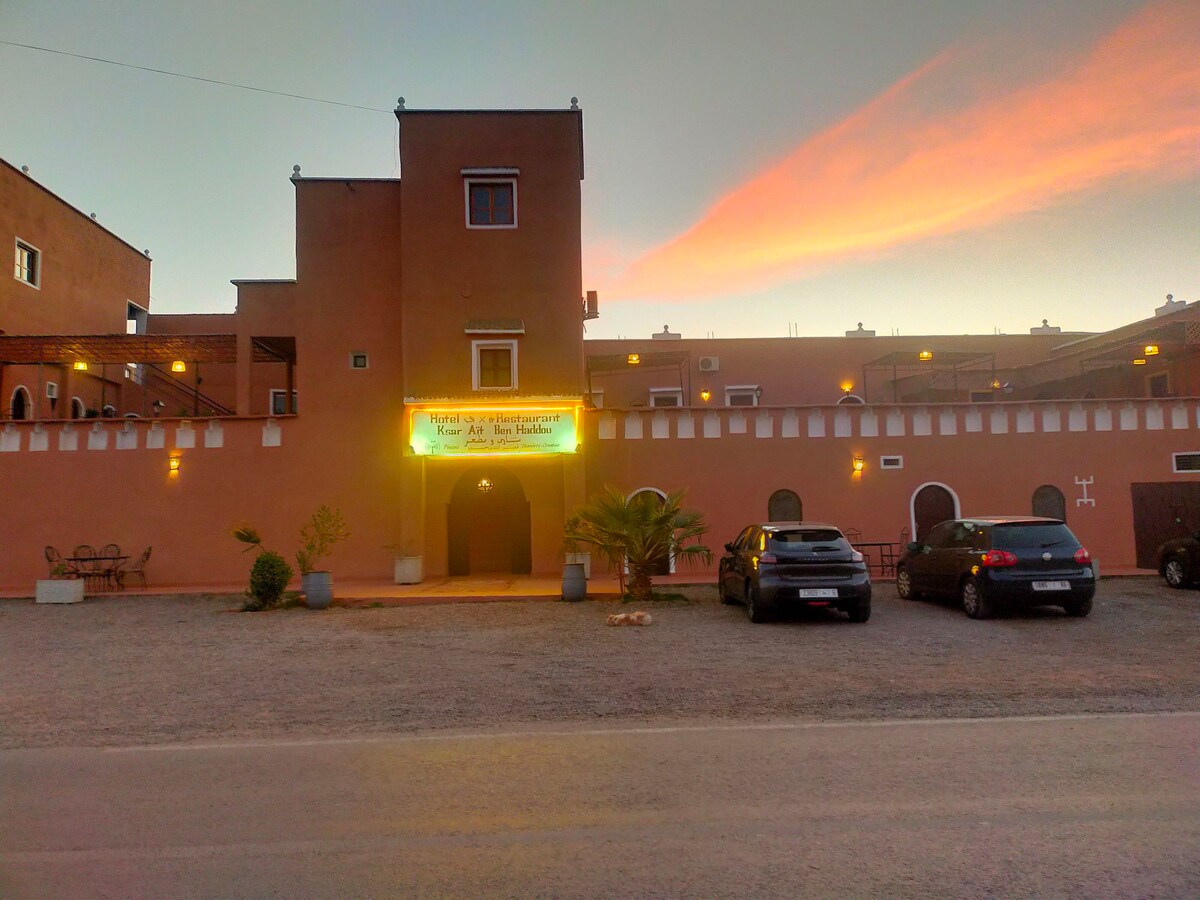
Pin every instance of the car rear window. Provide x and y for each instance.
(783, 540)
(1032, 534)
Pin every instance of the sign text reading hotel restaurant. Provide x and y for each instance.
(477, 431)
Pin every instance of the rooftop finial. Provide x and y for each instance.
(25, 169)
(574, 103)
(93, 215)
(295, 172)
(399, 104)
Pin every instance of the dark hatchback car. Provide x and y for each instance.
(1179, 561)
(776, 565)
(986, 562)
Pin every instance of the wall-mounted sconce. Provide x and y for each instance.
(705, 394)
(178, 366)
(633, 359)
(1151, 350)
(857, 465)
(1139, 362)
(484, 485)
(757, 394)
(925, 355)
(173, 463)
(846, 386)
(995, 384)
(80, 366)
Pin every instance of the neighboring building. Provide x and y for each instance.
(425, 372)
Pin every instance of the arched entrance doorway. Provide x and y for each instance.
(662, 564)
(785, 506)
(20, 408)
(932, 503)
(1049, 501)
(487, 523)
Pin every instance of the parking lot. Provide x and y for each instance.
(121, 671)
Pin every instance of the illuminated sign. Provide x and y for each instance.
(493, 430)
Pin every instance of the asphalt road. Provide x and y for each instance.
(1088, 805)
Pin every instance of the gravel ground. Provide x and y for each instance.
(151, 670)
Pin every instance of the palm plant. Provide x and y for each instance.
(635, 532)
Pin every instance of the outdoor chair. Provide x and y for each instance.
(84, 556)
(137, 567)
(107, 563)
(60, 567)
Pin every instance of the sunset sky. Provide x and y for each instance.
(752, 168)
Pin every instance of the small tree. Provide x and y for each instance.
(317, 537)
(637, 531)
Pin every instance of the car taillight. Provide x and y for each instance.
(1082, 556)
(768, 558)
(998, 558)
(855, 556)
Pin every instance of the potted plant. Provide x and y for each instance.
(408, 565)
(575, 569)
(317, 539)
(59, 588)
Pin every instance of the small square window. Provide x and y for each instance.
(492, 204)
(982, 396)
(279, 404)
(742, 395)
(358, 361)
(891, 462)
(494, 365)
(666, 397)
(28, 265)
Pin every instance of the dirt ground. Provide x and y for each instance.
(150, 670)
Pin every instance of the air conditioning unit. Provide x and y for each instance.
(51, 390)
(710, 364)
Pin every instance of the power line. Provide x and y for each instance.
(244, 87)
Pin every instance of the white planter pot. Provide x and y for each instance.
(584, 559)
(60, 590)
(410, 570)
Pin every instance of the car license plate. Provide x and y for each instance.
(815, 593)
(1052, 585)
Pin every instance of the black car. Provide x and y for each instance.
(985, 562)
(1179, 561)
(791, 564)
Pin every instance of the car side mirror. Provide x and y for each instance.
(915, 546)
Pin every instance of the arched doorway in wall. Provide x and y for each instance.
(76, 408)
(487, 524)
(785, 506)
(663, 564)
(1049, 501)
(931, 503)
(20, 407)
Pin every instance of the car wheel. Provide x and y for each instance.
(974, 604)
(859, 613)
(755, 608)
(904, 586)
(723, 593)
(1078, 608)
(1175, 572)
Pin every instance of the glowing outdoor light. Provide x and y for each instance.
(995, 384)
(178, 366)
(857, 464)
(925, 355)
(1151, 350)
(80, 366)
(633, 359)
(705, 394)
(173, 464)
(1139, 362)
(484, 485)
(847, 387)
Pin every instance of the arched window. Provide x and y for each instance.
(1049, 501)
(20, 407)
(785, 506)
(851, 400)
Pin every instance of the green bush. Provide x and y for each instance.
(268, 580)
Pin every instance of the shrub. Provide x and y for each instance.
(269, 578)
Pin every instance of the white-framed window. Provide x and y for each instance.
(666, 396)
(982, 396)
(850, 400)
(742, 394)
(494, 365)
(279, 403)
(27, 268)
(597, 398)
(359, 360)
(1188, 461)
(491, 202)
(891, 462)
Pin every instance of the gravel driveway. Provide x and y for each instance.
(156, 670)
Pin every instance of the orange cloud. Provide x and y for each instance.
(900, 170)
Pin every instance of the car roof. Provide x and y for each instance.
(1010, 520)
(788, 526)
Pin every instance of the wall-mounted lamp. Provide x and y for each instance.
(80, 366)
(757, 394)
(847, 387)
(857, 465)
(484, 485)
(705, 394)
(1151, 350)
(995, 384)
(173, 463)
(178, 366)
(1139, 362)
(925, 355)
(633, 359)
